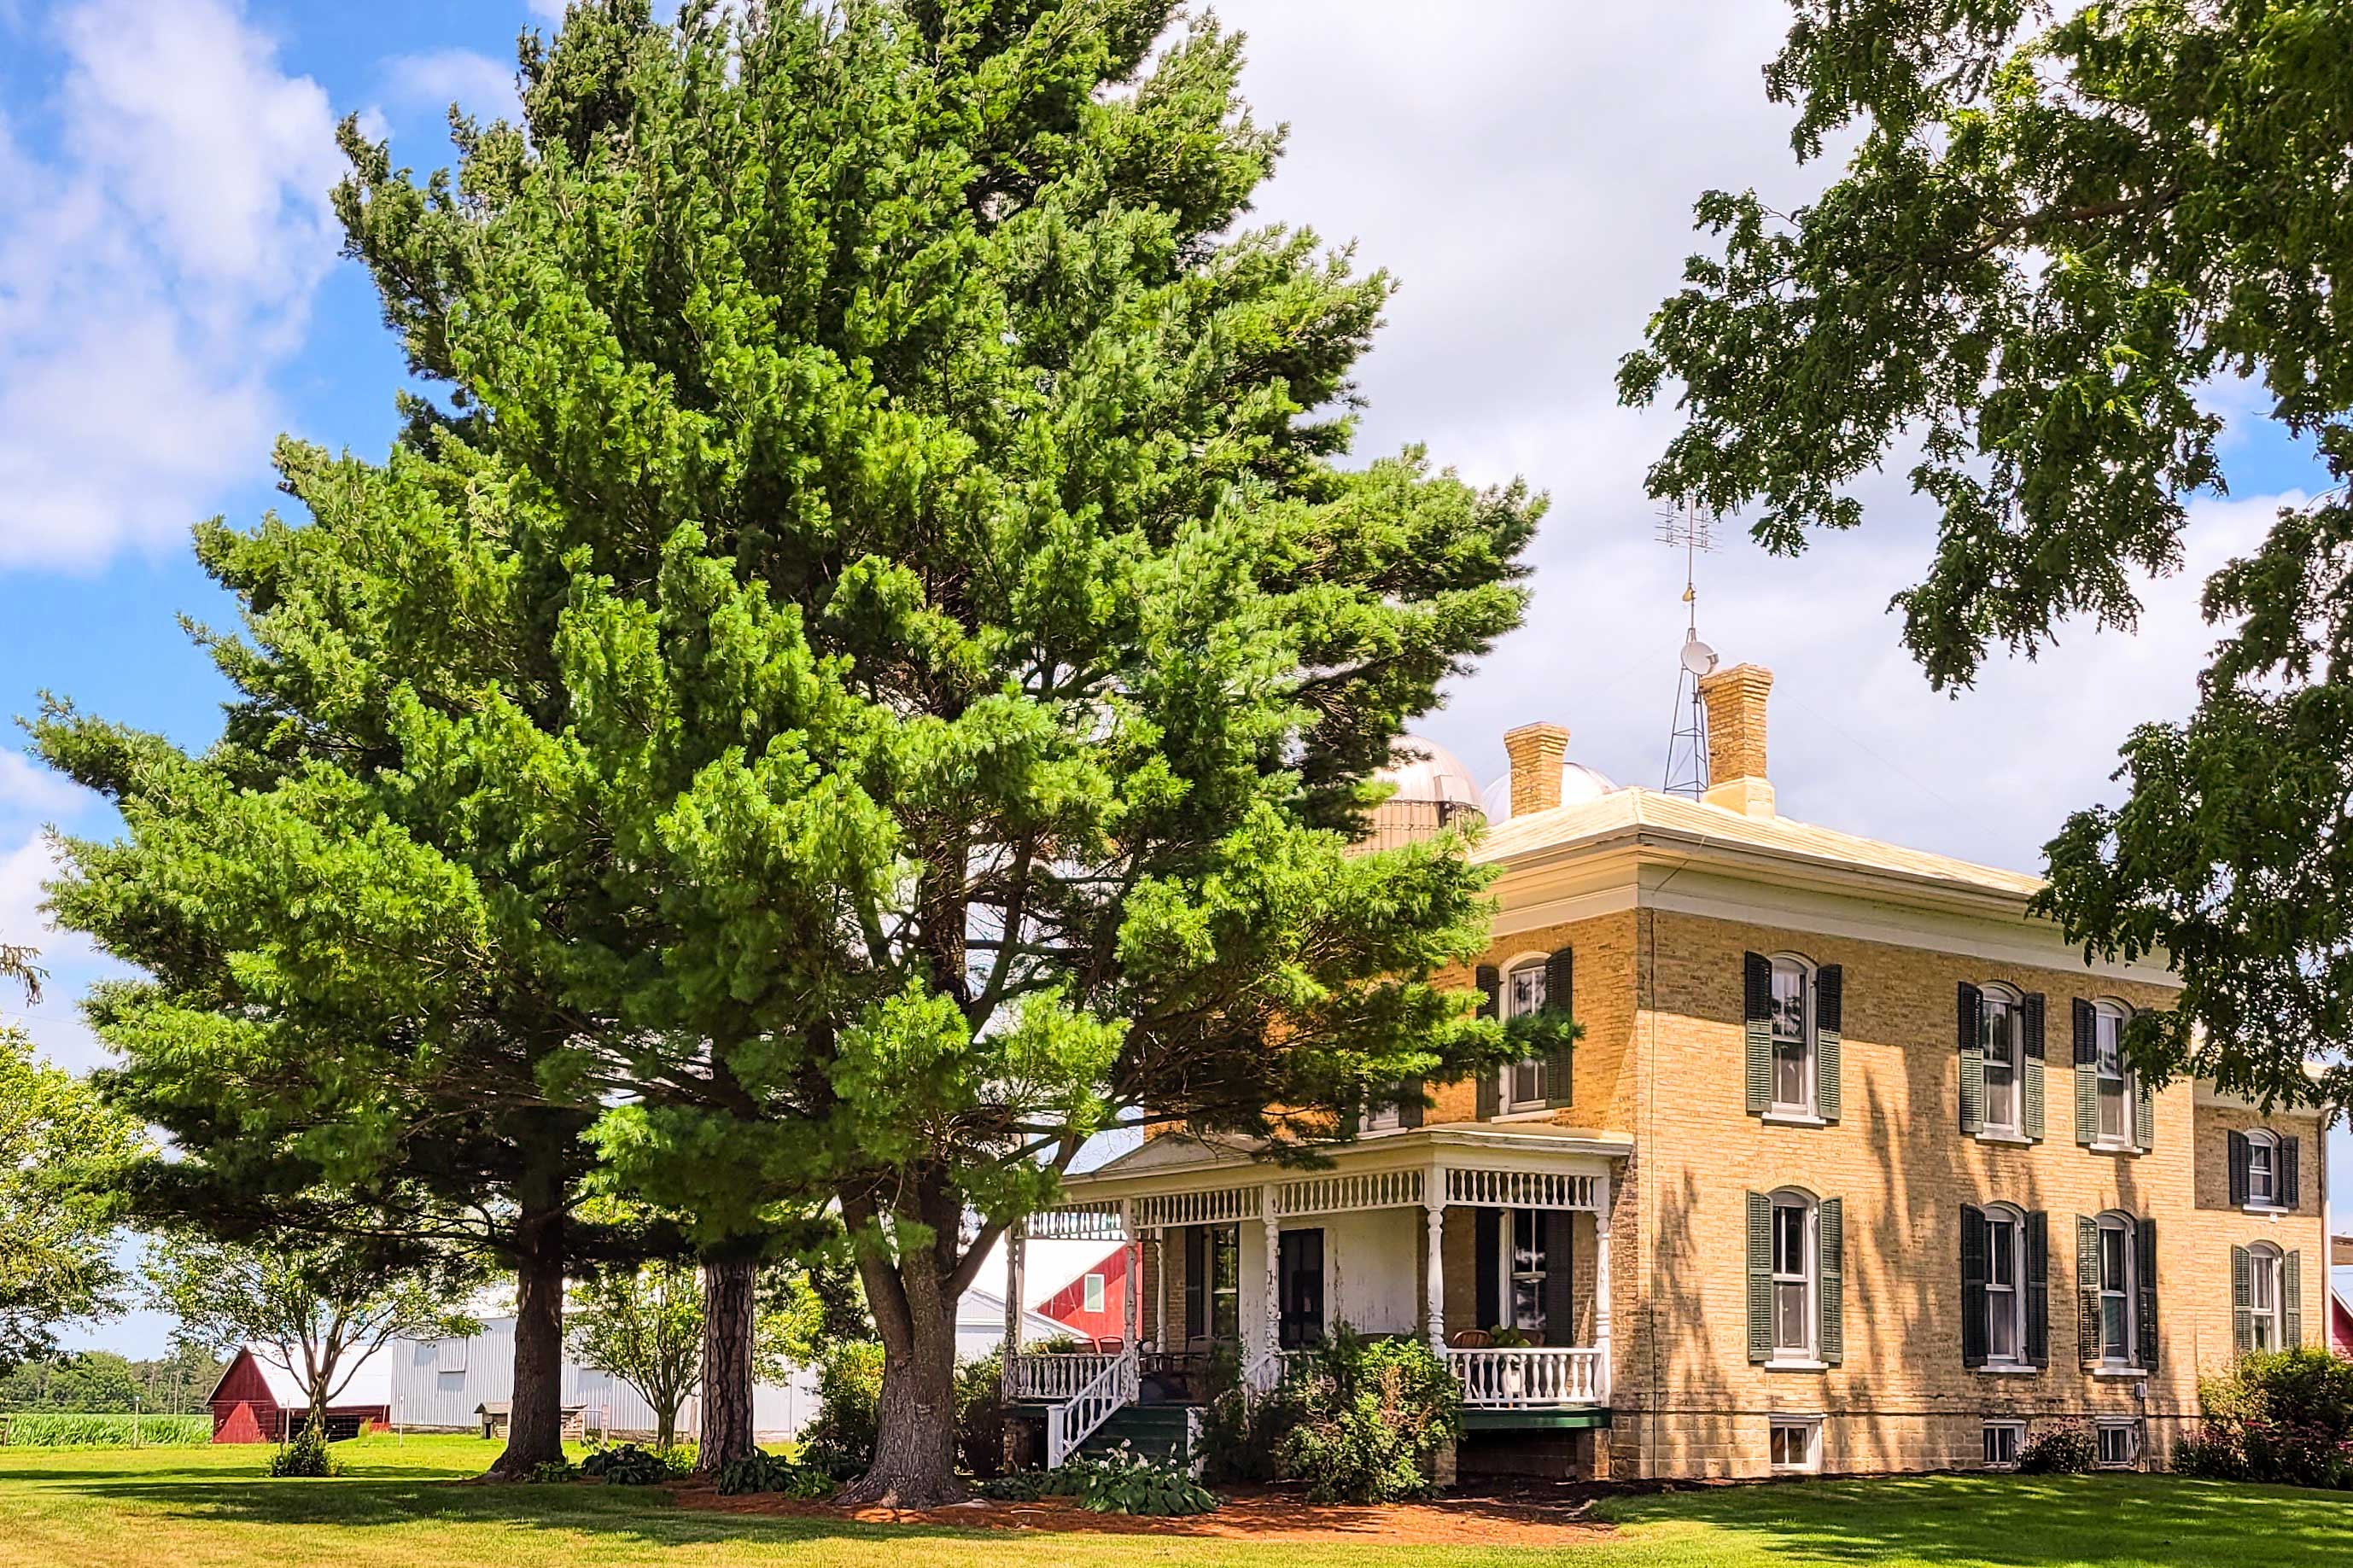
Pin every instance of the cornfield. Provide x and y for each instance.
(45, 1430)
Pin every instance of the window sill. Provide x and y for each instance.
(1797, 1366)
(2120, 1371)
(2130, 1150)
(2273, 1210)
(2006, 1369)
(2019, 1138)
(1793, 1118)
(1526, 1113)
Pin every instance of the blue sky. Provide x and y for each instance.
(171, 300)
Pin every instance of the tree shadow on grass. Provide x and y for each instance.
(2027, 1521)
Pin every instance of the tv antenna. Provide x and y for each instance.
(1693, 531)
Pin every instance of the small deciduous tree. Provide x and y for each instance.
(645, 1327)
(57, 1145)
(316, 1308)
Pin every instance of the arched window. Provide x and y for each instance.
(2005, 1286)
(2113, 1087)
(1524, 1084)
(1793, 1035)
(2001, 1039)
(2114, 1284)
(2265, 1297)
(1796, 1275)
(2263, 1167)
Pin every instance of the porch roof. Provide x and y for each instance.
(1181, 1179)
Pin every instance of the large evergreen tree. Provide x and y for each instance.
(2051, 233)
(862, 673)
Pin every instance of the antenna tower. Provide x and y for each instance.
(1691, 531)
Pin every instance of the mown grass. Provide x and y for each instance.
(397, 1506)
(63, 1430)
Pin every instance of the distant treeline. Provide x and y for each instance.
(102, 1382)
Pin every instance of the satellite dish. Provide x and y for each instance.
(1698, 658)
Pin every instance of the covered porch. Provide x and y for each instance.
(1491, 1244)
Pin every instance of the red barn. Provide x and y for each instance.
(1094, 1304)
(259, 1401)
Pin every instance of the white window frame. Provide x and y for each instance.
(2121, 1226)
(1800, 968)
(1382, 1119)
(1807, 1278)
(1809, 1432)
(2128, 1426)
(2108, 1068)
(2010, 1299)
(1997, 999)
(1091, 1293)
(1537, 967)
(2266, 1276)
(2017, 1432)
(1509, 1271)
(2263, 1141)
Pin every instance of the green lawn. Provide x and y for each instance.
(210, 1508)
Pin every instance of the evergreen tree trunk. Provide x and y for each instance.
(535, 1408)
(916, 1423)
(727, 1313)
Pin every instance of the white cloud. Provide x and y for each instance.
(23, 869)
(28, 789)
(547, 10)
(157, 267)
(475, 83)
(1527, 170)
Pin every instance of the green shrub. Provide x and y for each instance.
(626, 1466)
(980, 1415)
(1366, 1418)
(552, 1473)
(759, 1471)
(2283, 1417)
(1028, 1486)
(1124, 1482)
(305, 1456)
(840, 1441)
(47, 1429)
(1242, 1433)
(2059, 1449)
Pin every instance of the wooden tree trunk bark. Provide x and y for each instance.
(535, 1411)
(915, 1427)
(727, 1311)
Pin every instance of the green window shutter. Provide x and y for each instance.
(2236, 1156)
(1560, 1266)
(1491, 1006)
(2087, 1079)
(1968, 1021)
(1560, 993)
(2144, 1115)
(2243, 1300)
(1829, 1016)
(2087, 1290)
(1487, 1273)
(1831, 1278)
(2038, 1290)
(2289, 1189)
(1197, 1273)
(1410, 1107)
(2292, 1300)
(2031, 1071)
(1760, 1277)
(1973, 1286)
(1756, 1015)
(2144, 1290)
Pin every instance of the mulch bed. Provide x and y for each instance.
(1530, 1514)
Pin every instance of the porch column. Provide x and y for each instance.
(1433, 1208)
(1160, 1283)
(1605, 1363)
(1131, 1290)
(1016, 1241)
(1273, 1224)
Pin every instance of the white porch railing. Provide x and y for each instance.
(1522, 1377)
(1048, 1378)
(1071, 1422)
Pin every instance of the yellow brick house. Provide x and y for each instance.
(1843, 1173)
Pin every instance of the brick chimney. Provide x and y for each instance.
(1735, 739)
(1536, 752)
